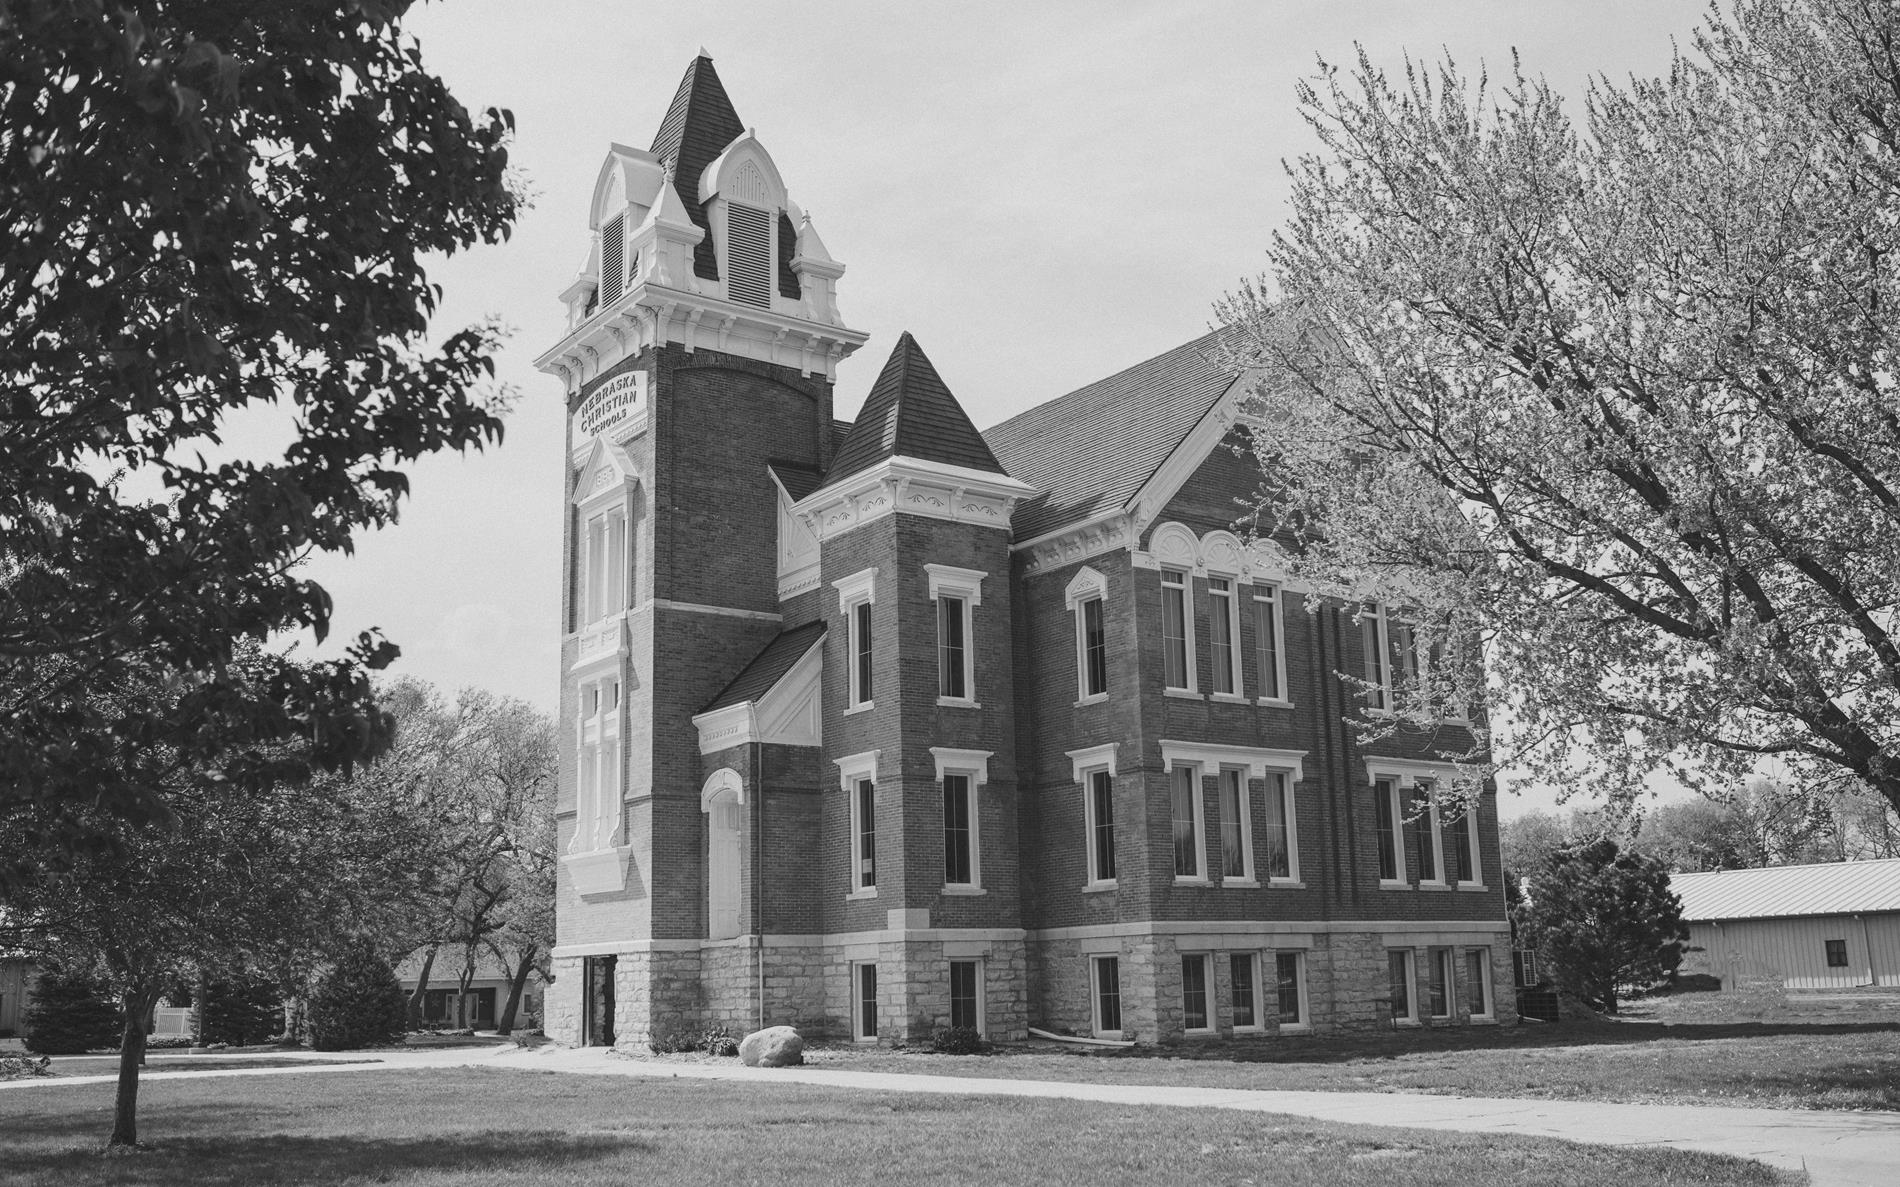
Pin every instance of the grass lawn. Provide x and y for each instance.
(1772, 1066)
(541, 1129)
(158, 1063)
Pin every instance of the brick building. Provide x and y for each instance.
(881, 726)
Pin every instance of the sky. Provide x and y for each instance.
(1042, 193)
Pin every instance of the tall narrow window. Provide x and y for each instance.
(1385, 795)
(951, 677)
(1267, 633)
(1185, 800)
(613, 258)
(1223, 636)
(1404, 642)
(1177, 654)
(1464, 860)
(1108, 995)
(1094, 649)
(1101, 826)
(1240, 977)
(605, 587)
(748, 255)
(1430, 843)
(856, 595)
(964, 995)
(1399, 974)
(1236, 858)
(861, 647)
(865, 834)
(1478, 982)
(865, 1005)
(957, 864)
(1440, 982)
(1194, 1009)
(1290, 971)
(1372, 648)
(1282, 863)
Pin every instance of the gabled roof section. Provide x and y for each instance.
(697, 128)
(1835, 888)
(911, 413)
(1092, 450)
(769, 666)
(797, 478)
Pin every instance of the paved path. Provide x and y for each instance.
(1837, 1149)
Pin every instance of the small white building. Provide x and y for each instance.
(1830, 926)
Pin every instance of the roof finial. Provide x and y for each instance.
(704, 54)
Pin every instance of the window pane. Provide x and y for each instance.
(1399, 969)
(1404, 651)
(1837, 954)
(1382, 794)
(1422, 822)
(1220, 630)
(867, 1001)
(616, 562)
(1460, 842)
(1187, 846)
(1174, 629)
(1108, 992)
(1374, 654)
(1440, 984)
(1279, 840)
(1194, 992)
(1241, 977)
(956, 829)
(867, 833)
(862, 616)
(1095, 645)
(1475, 962)
(1266, 635)
(1102, 791)
(1233, 853)
(1287, 972)
(950, 648)
(596, 569)
(963, 993)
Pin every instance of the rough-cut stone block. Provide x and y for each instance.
(775, 1046)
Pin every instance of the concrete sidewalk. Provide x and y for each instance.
(1836, 1149)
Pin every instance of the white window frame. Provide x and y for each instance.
(858, 1016)
(982, 992)
(1248, 875)
(1443, 960)
(973, 765)
(598, 794)
(724, 787)
(1184, 581)
(1429, 818)
(853, 769)
(1484, 971)
(1258, 761)
(1095, 995)
(1375, 659)
(1289, 802)
(1258, 1025)
(1237, 690)
(1086, 764)
(967, 586)
(1304, 1023)
(1411, 1015)
(1208, 1007)
(1395, 804)
(859, 589)
(1201, 876)
(1475, 849)
(1274, 594)
(1088, 586)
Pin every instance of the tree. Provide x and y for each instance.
(1604, 919)
(209, 209)
(358, 1003)
(68, 1014)
(1620, 401)
(240, 1010)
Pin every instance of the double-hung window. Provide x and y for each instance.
(1107, 997)
(1177, 632)
(1095, 771)
(856, 596)
(1400, 976)
(1372, 650)
(961, 773)
(1269, 637)
(1440, 982)
(1385, 797)
(1197, 994)
(597, 774)
(1243, 989)
(1087, 598)
(864, 1001)
(1431, 839)
(1466, 866)
(1478, 982)
(1184, 782)
(957, 593)
(858, 774)
(1289, 970)
(604, 590)
(1282, 836)
(1223, 634)
(1236, 837)
(966, 994)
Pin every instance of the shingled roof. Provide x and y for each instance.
(697, 128)
(1090, 451)
(911, 413)
(769, 666)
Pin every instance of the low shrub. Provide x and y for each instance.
(21, 1067)
(956, 1040)
(359, 1003)
(69, 1015)
(717, 1040)
(167, 1042)
(672, 1040)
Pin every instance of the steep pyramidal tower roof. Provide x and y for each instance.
(697, 128)
(911, 413)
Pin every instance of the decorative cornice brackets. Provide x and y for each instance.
(915, 487)
(1258, 760)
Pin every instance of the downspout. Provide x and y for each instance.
(758, 872)
(1867, 942)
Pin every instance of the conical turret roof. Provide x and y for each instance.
(697, 128)
(910, 412)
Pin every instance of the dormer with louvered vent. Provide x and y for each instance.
(747, 207)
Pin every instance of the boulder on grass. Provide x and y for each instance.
(775, 1046)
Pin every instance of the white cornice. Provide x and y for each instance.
(1411, 771)
(916, 487)
(1172, 474)
(1077, 542)
(1257, 759)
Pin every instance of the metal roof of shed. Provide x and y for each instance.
(1834, 888)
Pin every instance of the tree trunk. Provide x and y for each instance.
(506, 1023)
(461, 998)
(422, 989)
(125, 1109)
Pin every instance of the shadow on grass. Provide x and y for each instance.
(272, 1158)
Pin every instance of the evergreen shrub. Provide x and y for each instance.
(358, 1003)
(69, 1015)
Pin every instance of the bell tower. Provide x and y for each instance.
(702, 343)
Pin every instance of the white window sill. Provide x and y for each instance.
(865, 1039)
(1433, 886)
(1098, 887)
(1394, 884)
(963, 889)
(1184, 694)
(958, 703)
(1296, 1028)
(1201, 1032)
(1287, 883)
(1483, 1020)
(1228, 698)
(867, 892)
(1371, 712)
(1241, 883)
(1410, 1022)
(1274, 702)
(1107, 1034)
(1186, 880)
(1240, 1031)
(1094, 698)
(1440, 1019)
(1472, 886)
(866, 707)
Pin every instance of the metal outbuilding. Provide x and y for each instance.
(1830, 926)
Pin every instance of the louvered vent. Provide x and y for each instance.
(613, 259)
(748, 256)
